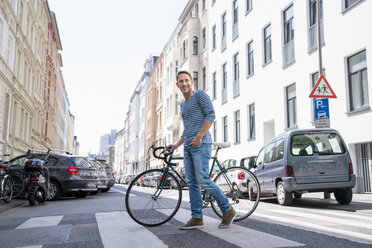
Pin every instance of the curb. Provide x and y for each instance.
(14, 203)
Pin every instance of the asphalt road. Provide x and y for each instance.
(101, 221)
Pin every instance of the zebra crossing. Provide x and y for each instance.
(269, 226)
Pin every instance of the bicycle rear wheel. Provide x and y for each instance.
(241, 188)
(18, 183)
(157, 202)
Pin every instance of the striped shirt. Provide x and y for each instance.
(195, 111)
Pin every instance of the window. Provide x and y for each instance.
(251, 122)
(349, 3)
(203, 5)
(313, 27)
(224, 135)
(214, 37)
(224, 83)
(358, 81)
(314, 79)
(204, 79)
(267, 44)
(223, 32)
(195, 45)
(279, 149)
(269, 152)
(288, 48)
(236, 75)
(291, 106)
(214, 131)
(248, 5)
(184, 52)
(237, 126)
(204, 35)
(235, 28)
(250, 64)
(214, 85)
(11, 48)
(1, 36)
(195, 79)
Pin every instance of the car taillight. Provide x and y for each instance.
(160, 177)
(213, 175)
(33, 178)
(73, 170)
(351, 169)
(241, 175)
(289, 171)
(182, 175)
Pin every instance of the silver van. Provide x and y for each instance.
(301, 161)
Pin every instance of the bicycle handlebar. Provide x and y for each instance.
(167, 154)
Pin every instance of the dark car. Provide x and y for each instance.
(109, 174)
(182, 172)
(69, 175)
(101, 175)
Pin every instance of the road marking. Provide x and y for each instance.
(237, 235)
(353, 236)
(117, 229)
(324, 218)
(41, 221)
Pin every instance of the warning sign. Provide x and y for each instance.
(322, 89)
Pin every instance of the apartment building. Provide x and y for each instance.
(33, 100)
(263, 64)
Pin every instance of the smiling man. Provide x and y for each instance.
(198, 115)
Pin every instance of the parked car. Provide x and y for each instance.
(182, 172)
(128, 179)
(248, 162)
(109, 174)
(101, 175)
(69, 175)
(301, 161)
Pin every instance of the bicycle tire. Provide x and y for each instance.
(243, 194)
(141, 205)
(7, 188)
(18, 184)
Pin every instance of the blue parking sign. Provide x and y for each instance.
(321, 108)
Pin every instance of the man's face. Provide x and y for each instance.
(184, 83)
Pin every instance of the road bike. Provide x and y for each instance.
(159, 202)
(6, 183)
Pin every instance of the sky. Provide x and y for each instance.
(104, 47)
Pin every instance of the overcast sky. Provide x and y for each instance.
(105, 44)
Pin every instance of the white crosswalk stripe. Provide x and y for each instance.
(41, 222)
(237, 235)
(117, 229)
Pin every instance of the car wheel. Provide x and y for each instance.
(80, 194)
(343, 196)
(54, 191)
(252, 196)
(297, 195)
(284, 197)
(105, 190)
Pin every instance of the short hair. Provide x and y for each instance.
(184, 72)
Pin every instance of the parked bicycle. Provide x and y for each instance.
(153, 206)
(6, 183)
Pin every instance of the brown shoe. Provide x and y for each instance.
(193, 223)
(227, 218)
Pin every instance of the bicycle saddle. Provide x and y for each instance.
(222, 144)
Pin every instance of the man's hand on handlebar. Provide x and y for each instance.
(171, 147)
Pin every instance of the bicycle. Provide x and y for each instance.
(158, 203)
(6, 183)
(17, 177)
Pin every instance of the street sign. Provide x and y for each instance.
(322, 89)
(321, 111)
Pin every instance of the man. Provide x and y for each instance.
(198, 115)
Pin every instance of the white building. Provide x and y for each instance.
(263, 64)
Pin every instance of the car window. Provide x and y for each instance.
(248, 162)
(233, 163)
(260, 158)
(18, 162)
(51, 161)
(269, 152)
(82, 162)
(279, 149)
(321, 143)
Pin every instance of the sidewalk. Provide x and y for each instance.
(365, 198)
(14, 203)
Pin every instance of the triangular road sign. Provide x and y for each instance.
(322, 89)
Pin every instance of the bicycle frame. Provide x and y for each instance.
(166, 171)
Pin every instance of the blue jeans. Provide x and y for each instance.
(196, 161)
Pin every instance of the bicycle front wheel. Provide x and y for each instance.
(7, 187)
(241, 188)
(157, 201)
